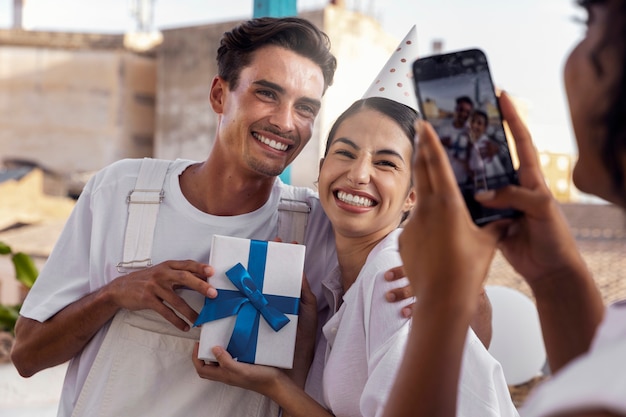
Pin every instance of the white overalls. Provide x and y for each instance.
(141, 346)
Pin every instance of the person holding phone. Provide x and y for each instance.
(455, 74)
(366, 191)
(585, 341)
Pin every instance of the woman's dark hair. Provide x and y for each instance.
(614, 144)
(293, 33)
(403, 115)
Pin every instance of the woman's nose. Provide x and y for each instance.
(359, 172)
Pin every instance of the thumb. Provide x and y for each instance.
(221, 355)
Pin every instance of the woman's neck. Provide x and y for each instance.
(352, 252)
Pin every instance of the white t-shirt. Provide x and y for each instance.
(593, 381)
(457, 144)
(366, 342)
(91, 244)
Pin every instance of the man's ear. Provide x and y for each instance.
(218, 94)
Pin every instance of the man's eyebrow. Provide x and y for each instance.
(269, 84)
(277, 87)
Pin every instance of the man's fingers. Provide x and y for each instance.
(168, 314)
(193, 275)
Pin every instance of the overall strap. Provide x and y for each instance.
(143, 209)
(293, 213)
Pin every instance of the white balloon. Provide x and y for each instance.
(517, 342)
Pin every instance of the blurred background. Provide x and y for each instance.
(84, 83)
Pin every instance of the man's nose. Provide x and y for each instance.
(283, 118)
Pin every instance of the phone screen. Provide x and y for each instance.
(456, 95)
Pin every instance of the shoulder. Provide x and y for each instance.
(381, 259)
(317, 219)
(115, 171)
(295, 192)
(385, 254)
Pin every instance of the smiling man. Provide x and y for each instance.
(125, 323)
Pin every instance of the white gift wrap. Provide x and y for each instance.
(283, 277)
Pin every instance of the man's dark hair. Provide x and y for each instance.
(464, 99)
(298, 35)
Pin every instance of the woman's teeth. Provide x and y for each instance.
(354, 200)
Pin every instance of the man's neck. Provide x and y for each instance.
(214, 189)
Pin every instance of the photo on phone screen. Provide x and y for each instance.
(456, 95)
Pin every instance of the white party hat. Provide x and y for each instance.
(395, 80)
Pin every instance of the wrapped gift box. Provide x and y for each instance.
(255, 315)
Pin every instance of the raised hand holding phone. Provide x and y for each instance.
(456, 95)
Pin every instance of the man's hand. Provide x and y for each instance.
(154, 288)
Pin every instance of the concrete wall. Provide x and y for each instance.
(75, 110)
(77, 102)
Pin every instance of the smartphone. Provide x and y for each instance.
(456, 94)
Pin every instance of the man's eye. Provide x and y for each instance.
(266, 93)
(308, 110)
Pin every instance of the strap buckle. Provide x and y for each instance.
(124, 267)
(287, 204)
(145, 196)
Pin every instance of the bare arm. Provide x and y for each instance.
(429, 376)
(268, 381)
(538, 245)
(58, 339)
(541, 248)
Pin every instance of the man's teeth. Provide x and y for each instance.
(354, 200)
(271, 143)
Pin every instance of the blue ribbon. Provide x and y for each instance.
(248, 304)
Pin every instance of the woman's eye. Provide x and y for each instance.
(389, 164)
(345, 153)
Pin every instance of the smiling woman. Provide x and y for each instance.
(365, 189)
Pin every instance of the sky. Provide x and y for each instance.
(526, 41)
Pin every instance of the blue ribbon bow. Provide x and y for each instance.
(248, 304)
